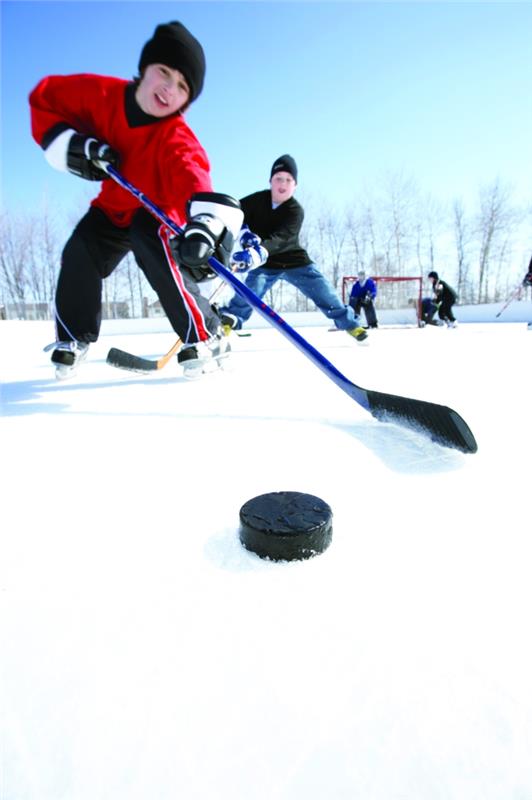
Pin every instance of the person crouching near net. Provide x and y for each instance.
(444, 298)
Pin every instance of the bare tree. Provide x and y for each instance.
(333, 233)
(131, 269)
(386, 234)
(399, 206)
(43, 258)
(14, 244)
(369, 222)
(360, 238)
(496, 222)
(427, 223)
(141, 284)
(462, 241)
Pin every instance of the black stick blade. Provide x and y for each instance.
(440, 423)
(123, 360)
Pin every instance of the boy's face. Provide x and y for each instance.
(162, 91)
(283, 187)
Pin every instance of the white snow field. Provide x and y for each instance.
(146, 654)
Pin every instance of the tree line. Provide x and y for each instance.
(394, 231)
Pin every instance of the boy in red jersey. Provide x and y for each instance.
(85, 121)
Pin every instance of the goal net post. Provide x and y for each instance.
(398, 300)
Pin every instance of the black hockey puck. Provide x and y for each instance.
(286, 526)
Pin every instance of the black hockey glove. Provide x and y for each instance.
(83, 155)
(213, 222)
(527, 280)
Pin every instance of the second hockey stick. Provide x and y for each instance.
(513, 296)
(124, 360)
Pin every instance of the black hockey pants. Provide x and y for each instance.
(445, 310)
(369, 311)
(95, 249)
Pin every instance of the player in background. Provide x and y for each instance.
(444, 297)
(276, 216)
(363, 294)
(428, 309)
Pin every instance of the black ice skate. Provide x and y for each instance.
(67, 357)
(203, 357)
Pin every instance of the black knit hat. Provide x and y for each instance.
(174, 46)
(433, 275)
(284, 164)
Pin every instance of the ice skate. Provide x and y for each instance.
(203, 357)
(358, 333)
(229, 322)
(67, 356)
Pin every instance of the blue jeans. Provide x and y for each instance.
(310, 282)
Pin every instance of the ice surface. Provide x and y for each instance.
(146, 654)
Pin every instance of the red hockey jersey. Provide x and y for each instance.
(163, 159)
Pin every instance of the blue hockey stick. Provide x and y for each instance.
(440, 423)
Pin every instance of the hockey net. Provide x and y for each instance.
(398, 300)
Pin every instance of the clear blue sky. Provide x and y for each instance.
(439, 91)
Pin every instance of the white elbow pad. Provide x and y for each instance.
(56, 152)
(216, 211)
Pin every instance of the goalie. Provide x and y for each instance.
(363, 295)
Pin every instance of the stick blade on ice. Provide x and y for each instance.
(442, 424)
(119, 358)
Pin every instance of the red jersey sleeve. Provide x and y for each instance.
(72, 100)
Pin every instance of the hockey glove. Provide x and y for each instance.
(213, 222)
(247, 238)
(82, 155)
(527, 280)
(250, 258)
(85, 155)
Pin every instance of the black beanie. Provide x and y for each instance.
(433, 275)
(174, 46)
(284, 164)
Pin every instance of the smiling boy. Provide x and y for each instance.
(276, 216)
(84, 121)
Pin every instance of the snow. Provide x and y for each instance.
(145, 653)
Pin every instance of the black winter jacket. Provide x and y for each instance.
(278, 228)
(444, 293)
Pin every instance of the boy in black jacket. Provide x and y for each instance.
(444, 298)
(277, 218)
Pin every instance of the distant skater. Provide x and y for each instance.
(428, 309)
(363, 294)
(444, 297)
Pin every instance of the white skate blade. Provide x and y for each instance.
(192, 370)
(64, 372)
